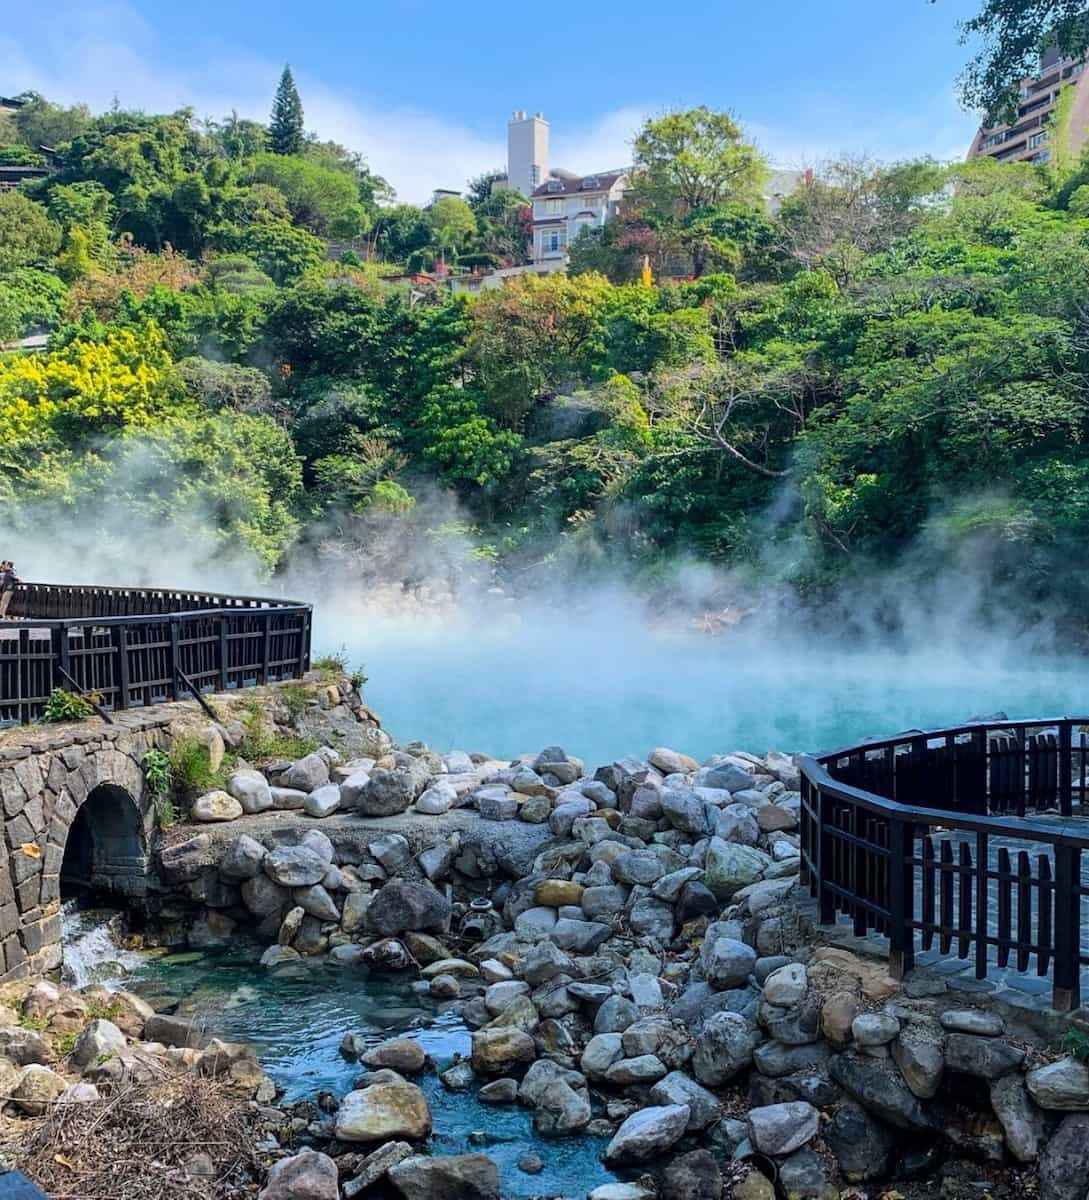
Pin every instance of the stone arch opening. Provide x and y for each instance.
(105, 853)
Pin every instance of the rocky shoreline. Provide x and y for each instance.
(635, 964)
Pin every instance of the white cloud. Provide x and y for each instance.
(70, 57)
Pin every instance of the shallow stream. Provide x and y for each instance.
(296, 1016)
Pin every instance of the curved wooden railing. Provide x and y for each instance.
(966, 837)
(131, 647)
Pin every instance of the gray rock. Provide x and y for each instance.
(919, 1053)
(646, 991)
(786, 986)
(973, 1020)
(602, 1050)
(1061, 1086)
(385, 1110)
(1021, 1120)
(446, 1177)
(295, 866)
(984, 1057)
(668, 888)
(580, 937)
(251, 790)
(263, 897)
(615, 1015)
(561, 1109)
(638, 866)
(242, 859)
(796, 1026)
(724, 1048)
(316, 901)
(648, 1133)
(603, 902)
(736, 823)
(776, 1060)
(803, 1176)
(375, 1167)
(874, 1029)
(545, 961)
(437, 799)
(684, 810)
(286, 799)
(1064, 1164)
(388, 792)
(499, 1091)
(404, 906)
(783, 1128)
(729, 867)
(678, 1088)
(881, 1090)
(536, 922)
(653, 919)
(864, 1148)
(646, 1068)
(726, 776)
(307, 1175)
(99, 1040)
(323, 801)
(307, 774)
(726, 962)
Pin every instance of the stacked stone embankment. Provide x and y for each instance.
(645, 972)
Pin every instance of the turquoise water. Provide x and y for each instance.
(603, 688)
(297, 1015)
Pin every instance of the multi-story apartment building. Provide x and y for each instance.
(1025, 139)
(567, 204)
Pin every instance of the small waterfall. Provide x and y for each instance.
(92, 953)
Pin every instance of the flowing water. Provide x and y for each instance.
(91, 950)
(297, 1015)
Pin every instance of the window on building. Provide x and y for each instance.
(553, 240)
(535, 176)
(1037, 139)
(1043, 157)
(555, 185)
(589, 184)
(553, 207)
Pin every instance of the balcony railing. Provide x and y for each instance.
(131, 647)
(971, 838)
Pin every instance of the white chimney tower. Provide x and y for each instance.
(527, 152)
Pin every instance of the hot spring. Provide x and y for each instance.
(607, 684)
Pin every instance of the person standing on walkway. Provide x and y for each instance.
(8, 583)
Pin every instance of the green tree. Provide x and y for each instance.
(28, 238)
(41, 123)
(285, 131)
(1013, 33)
(323, 200)
(452, 224)
(281, 251)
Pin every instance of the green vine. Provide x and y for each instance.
(159, 774)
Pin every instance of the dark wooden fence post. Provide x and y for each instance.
(175, 664)
(901, 897)
(1066, 994)
(224, 677)
(122, 666)
(1066, 767)
(826, 901)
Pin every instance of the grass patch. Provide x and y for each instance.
(331, 666)
(191, 769)
(37, 1024)
(65, 1044)
(294, 697)
(262, 744)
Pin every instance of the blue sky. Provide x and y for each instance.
(424, 88)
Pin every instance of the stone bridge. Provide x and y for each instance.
(76, 816)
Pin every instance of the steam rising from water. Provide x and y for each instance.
(578, 659)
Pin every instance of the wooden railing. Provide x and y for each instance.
(961, 837)
(131, 647)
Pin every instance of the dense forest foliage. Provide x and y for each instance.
(898, 359)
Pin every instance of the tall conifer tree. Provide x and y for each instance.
(285, 131)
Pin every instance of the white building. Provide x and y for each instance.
(564, 206)
(527, 152)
